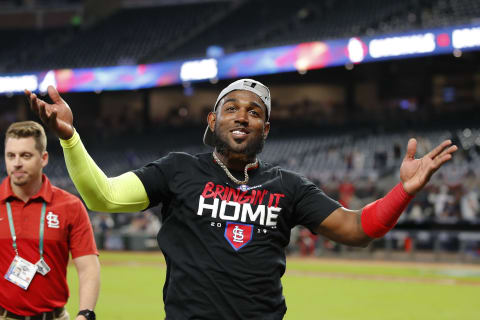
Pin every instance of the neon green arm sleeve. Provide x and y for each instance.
(124, 193)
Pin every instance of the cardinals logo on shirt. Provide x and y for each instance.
(238, 234)
(52, 220)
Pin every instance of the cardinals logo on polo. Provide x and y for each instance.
(52, 220)
(238, 234)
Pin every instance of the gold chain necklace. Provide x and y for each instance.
(224, 167)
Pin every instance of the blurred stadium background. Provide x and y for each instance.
(351, 81)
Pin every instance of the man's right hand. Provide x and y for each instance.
(57, 116)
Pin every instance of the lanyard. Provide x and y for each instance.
(12, 229)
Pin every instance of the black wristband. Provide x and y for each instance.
(89, 314)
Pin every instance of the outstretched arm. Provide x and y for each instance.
(124, 193)
(360, 227)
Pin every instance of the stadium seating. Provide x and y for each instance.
(122, 39)
(302, 21)
(147, 35)
(18, 55)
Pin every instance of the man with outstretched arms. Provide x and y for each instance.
(40, 225)
(227, 215)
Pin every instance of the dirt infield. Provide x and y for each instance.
(387, 263)
(447, 268)
(444, 273)
(335, 275)
(157, 257)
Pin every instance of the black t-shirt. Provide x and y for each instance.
(224, 244)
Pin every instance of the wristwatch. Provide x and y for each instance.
(89, 314)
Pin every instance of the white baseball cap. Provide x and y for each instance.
(251, 85)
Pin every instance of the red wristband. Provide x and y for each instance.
(380, 216)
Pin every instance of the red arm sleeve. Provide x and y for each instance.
(380, 216)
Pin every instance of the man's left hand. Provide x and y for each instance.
(415, 173)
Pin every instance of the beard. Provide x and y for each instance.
(19, 181)
(253, 148)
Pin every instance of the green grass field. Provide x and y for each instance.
(314, 289)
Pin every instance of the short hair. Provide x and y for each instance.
(26, 129)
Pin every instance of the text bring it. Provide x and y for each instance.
(235, 205)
